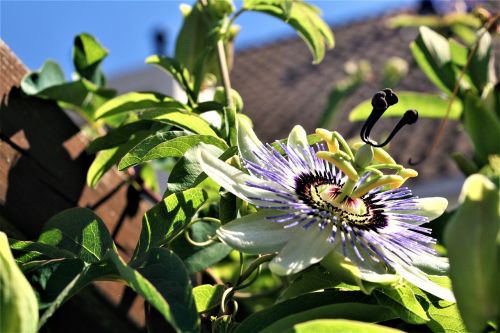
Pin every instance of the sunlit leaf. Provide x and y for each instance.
(459, 52)
(402, 300)
(35, 250)
(166, 144)
(188, 173)
(427, 105)
(483, 128)
(188, 121)
(432, 53)
(80, 95)
(207, 296)
(310, 280)
(444, 315)
(139, 102)
(327, 304)
(106, 159)
(121, 135)
(302, 17)
(79, 231)
(168, 218)
(471, 241)
(50, 74)
(87, 56)
(178, 72)
(18, 303)
(341, 325)
(480, 69)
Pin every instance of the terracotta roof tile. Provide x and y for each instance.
(282, 88)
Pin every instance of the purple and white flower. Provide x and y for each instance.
(379, 233)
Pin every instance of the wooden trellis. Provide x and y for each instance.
(43, 166)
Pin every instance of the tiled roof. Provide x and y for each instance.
(282, 88)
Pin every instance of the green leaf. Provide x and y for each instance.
(81, 95)
(228, 206)
(302, 17)
(194, 47)
(402, 300)
(120, 135)
(208, 106)
(337, 95)
(18, 303)
(34, 250)
(167, 274)
(178, 72)
(168, 218)
(466, 165)
(143, 286)
(149, 177)
(471, 241)
(205, 257)
(198, 258)
(220, 98)
(136, 154)
(50, 278)
(50, 74)
(105, 160)
(207, 296)
(427, 105)
(432, 53)
(188, 121)
(187, 172)
(79, 231)
(458, 53)
(327, 304)
(341, 325)
(483, 128)
(355, 311)
(312, 279)
(139, 102)
(444, 316)
(166, 144)
(66, 279)
(479, 68)
(87, 56)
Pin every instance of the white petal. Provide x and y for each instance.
(429, 207)
(233, 179)
(297, 138)
(256, 234)
(418, 278)
(248, 143)
(304, 249)
(431, 264)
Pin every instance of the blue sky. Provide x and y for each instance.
(40, 30)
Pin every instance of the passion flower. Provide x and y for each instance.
(315, 200)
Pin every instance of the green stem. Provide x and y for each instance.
(235, 16)
(253, 266)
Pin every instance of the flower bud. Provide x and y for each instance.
(364, 156)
